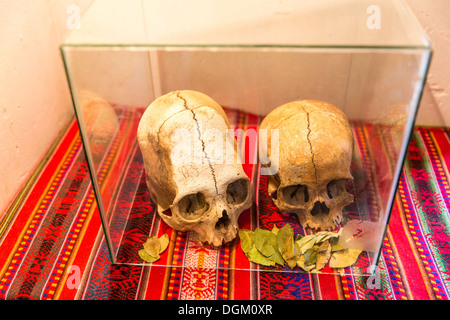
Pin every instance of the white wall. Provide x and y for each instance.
(433, 16)
(35, 102)
(34, 97)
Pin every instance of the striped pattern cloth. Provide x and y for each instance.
(52, 244)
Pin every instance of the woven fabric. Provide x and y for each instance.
(52, 244)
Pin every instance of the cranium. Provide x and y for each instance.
(315, 153)
(100, 120)
(183, 137)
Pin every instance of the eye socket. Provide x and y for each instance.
(237, 191)
(295, 195)
(193, 206)
(335, 187)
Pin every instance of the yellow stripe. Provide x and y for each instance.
(31, 219)
(91, 206)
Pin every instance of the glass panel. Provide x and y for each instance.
(375, 76)
(292, 22)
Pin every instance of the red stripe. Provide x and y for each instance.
(127, 140)
(157, 276)
(156, 283)
(328, 289)
(402, 238)
(241, 280)
(23, 216)
(85, 249)
(94, 227)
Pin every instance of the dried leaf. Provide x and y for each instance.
(296, 249)
(306, 242)
(311, 253)
(164, 242)
(325, 235)
(255, 256)
(301, 262)
(248, 246)
(285, 244)
(246, 237)
(265, 236)
(344, 258)
(152, 246)
(266, 242)
(323, 255)
(146, 257)
(275, 230)
(335, 245)
(310, 256)
(292, 262)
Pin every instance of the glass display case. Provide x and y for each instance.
(367, 58)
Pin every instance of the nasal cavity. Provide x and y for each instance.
(223, 221)
(167, 212)
(320, 208)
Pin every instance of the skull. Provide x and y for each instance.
(315, 153)
(101, 122)
(185, 140)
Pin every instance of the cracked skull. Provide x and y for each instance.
(185, 140)
(314, 157)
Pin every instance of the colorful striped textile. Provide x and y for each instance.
(52, 244)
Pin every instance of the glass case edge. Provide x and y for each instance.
(89, 160)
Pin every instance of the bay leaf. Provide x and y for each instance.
(146, 257)
(344, 258)
(301, 262)
(292, 262)
(152, 246)
(279, 246)
(336, 246)
(325, 235)
(296, 249)
(306, 242)
(285, 244)
(266, 243)
(255, 256)
(310, 256)
(164, 242)
(246, 237)
(275, 230)
(265, 236)
(323, 255)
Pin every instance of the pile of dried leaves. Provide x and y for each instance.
(153, 247)
(311, 252)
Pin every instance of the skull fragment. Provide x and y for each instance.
(315, 153)
(184, 137)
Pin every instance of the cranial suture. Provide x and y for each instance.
(315, 153)
(187, 174)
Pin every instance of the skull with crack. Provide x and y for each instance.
(314, 157)
(185, 139)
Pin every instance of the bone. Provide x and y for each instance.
(187, 175)
(315, 154)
